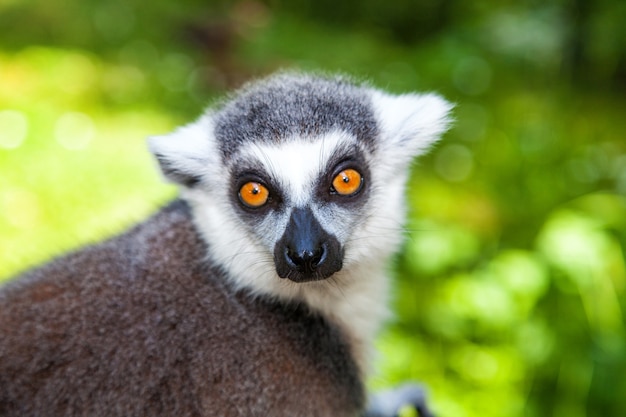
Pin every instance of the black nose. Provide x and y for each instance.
(306, 252)
(305, 260)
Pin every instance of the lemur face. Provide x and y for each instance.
(298, 151)
(299, 178)
(303, 199)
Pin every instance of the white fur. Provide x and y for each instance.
(189, 147)
(297, 163)
(410, 123)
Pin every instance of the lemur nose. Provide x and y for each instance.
(306, 260)
(306, 252)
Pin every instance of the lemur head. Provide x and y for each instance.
(297, 181)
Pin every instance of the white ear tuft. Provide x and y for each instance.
(410, 123)
(186, 154)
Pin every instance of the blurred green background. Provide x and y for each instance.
(511, 287)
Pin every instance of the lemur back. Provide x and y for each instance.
(258, 293)
(123, 329)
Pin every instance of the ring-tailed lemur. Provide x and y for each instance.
(258, 293)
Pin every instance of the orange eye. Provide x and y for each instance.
(348, 182)
(253, 194)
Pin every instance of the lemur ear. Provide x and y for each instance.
(410, 123)
(186, 155)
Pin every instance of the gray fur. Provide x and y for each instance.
(288, 106)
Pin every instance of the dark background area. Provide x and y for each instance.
(511, 286)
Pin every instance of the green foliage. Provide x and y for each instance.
(510, 290)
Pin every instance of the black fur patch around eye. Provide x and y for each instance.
(286, 105)
(250, 170)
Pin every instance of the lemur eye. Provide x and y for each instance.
(253, 194)
(347, 182)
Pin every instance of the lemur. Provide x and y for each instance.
(257, 292)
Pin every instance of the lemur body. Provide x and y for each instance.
(125, 328)
(259, 294)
